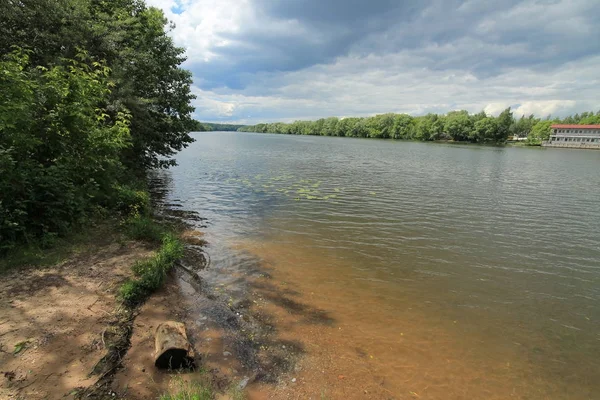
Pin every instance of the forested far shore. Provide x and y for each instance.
(213, 126)
(458, 126)
(91, 96)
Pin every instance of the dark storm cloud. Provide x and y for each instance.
(481, 37)
(329, 29)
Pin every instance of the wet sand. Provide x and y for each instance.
(357, 345)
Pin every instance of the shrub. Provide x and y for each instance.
(142, 227)
(130, 201)
(59, 150)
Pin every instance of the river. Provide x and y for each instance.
(446, 271)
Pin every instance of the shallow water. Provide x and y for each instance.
(462, 271)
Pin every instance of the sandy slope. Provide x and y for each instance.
(60, 313)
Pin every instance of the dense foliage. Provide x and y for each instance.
(198, 126)
(211, 126)
(91, 93)
(456, 125)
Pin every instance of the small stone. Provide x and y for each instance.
(294, 380)
(226, 354)
(244, 383)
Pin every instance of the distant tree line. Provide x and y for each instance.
(91, 96)
(198, 126)
(456, 125)
(210, 126)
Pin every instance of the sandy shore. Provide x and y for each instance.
(58, 324)
(55, 321)
(251, 333)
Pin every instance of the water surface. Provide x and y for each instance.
(467, 271)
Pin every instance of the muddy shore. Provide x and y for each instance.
(64, 334)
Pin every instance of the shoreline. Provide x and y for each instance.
(66, 334)
(511, 143)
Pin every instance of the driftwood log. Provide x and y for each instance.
(172, 348)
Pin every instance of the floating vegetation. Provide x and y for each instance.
(287, 185)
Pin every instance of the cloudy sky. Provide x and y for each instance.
(282, 60)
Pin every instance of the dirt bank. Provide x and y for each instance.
(54, 320)
(57, 323)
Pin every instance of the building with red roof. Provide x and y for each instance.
(574, 136)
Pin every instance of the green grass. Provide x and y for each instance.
(143, 227)
(199, 390)
(236, 393)
(151, 273)
(189, 391)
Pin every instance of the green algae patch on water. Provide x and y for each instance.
(287, 185)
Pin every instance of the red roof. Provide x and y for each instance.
(576, 126)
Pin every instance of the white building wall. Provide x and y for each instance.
(580, 138)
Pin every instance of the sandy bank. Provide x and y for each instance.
(55, 321)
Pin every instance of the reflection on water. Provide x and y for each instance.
(470, 271)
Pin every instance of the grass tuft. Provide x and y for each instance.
(200, 389)
(189, 391)
(151, 273)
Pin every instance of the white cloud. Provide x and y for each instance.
(481, 56)
(546, 107)
(372, 85)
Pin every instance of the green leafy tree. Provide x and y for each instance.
(591, 119)
(540, 132)
(429, 127)
(149, 81)
(342, 127)
(50, 29)
(523, 126)
(505, 121)
(404, 127)
(458, 125)
(72, 128)
(329, 127)
(59, 150)
(360, 128)
(133, 41)
(486, 129)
